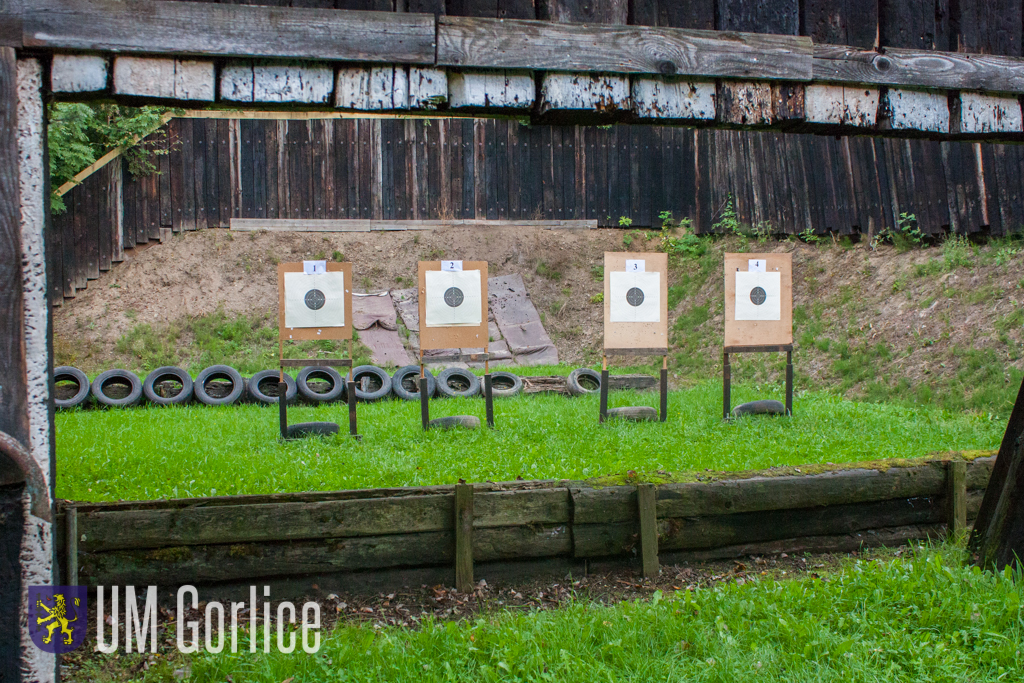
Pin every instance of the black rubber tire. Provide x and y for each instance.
(252, 387)
(67, 373)
(762, 407)
(457, 376)
(335, 393)
(218, 372)
(117, 377)
(376, 373)
(454, 422)
(411, 373)
(634, 413)
(304, 429)
(500, 382)
(577, 388)
(167, 372)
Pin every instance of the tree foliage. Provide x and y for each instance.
(79, 134)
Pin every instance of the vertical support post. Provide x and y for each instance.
(664, 388)
(789, 382)
(282, 407)
(424, 398)
(489, 399)
(353, 425)
(646, 499)
(726, 385)
(956, 500)
(604, 391)
(71, 545)
(464, 537)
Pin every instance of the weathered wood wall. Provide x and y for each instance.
(240, 538)
(396, 169)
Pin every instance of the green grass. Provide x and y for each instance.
(149, 453)
(922, 616)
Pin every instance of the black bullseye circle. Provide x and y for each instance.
(453, 297)
(757, 296)
(635, 296)
(315, 299)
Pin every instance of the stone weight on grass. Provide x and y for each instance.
(635, 413)
(455, 421)
(763, 407)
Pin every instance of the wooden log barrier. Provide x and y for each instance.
(210, 540)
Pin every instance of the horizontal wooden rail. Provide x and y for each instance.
(287, 535)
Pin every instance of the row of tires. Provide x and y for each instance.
(220, 385)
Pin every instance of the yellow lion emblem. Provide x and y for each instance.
(57, 616)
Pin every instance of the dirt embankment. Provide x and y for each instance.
(865, 318)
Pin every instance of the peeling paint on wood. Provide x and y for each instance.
(78, 73)
(923, 110)
(981, 113)
(841, 105)
(279, 83)
(352, 89)
(672, 98)
(428, 88)
(510, 89)
(597, 92)
(170, 79)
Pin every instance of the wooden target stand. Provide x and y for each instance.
(454, 337)
(339, 333)
(773, 335)
(648, 338)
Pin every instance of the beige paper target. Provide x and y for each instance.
(758, 300)
(453, 298)
(314, 300)
(635, 297)
(635, 300)
(460, 335)
(328, 312)
(758, 296)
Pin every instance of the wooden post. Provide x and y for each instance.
(646, 495)
(956, 499)
(353, 426)
(604, 390)
(71, 543)
(489, 400)
(464, 537)
(789, 382)
(726, 380)
(282, 406)
(424, 396)
(664, 388)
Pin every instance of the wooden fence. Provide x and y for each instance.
(307, 538)
(401, 169)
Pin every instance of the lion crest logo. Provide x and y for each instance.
(57, 616)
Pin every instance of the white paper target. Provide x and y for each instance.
(453, 298)
(758, 296)
(635, 297)
(314, 300)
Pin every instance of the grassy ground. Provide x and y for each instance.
(914, 616)
(150, 453)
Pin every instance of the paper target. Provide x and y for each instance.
(758, 296)
(314, 300)
(635, 297)
(453, 298)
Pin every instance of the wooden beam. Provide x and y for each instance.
(78, 73)
(188, 28)
(13, 392)
(956, 499)
(919, 68)
(646, 497)
(464, 537)
(492, 43)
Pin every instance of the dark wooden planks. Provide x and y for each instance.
(226, 30)
(840, 22)
(761, 16)
(577, 47)
(14, 403)
(919, 24)
(986, 26)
